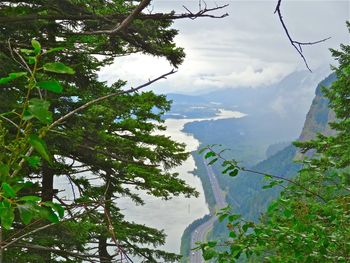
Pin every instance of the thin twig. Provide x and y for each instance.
(7, 244)
(13, 56)
(14, 124)
(296, 44)
(269, 175)
(118, 93)
(285, 179)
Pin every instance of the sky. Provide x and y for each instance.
(248, 48)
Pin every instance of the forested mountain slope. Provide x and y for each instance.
(245, 192)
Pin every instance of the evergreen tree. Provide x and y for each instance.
(115, 140)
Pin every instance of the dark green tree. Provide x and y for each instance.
(114, 139)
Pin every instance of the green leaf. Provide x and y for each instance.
(233, 173)
(9, 192)
(209, 254)
(27, 115)
(40, 110)
(12, 76)
(27, 51)
(33, 161)
(53, 218)
(55, 49)
(7, 216)
(51, 85)
(31, 60)
(4, 170)
(40, 146)
(209, 154)
(232, 234)
(287, 213)
(235, 251)
(58, 67)
(213, 161)
(48, 214)
(222, 217)
(272, 207)
(26, 213)
(30, 198)
(234, 217)
(58, 208)
(346, 71)
(229, 168)
(36, 45)
(272, 184)
(212, 243)
(202, 150)
(225, 163)
(267, 177)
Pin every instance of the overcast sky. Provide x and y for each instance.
(247, 48)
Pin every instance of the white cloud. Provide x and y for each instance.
(248, 48)
(250, 77)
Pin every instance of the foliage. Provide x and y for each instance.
(309, 222)
(115, 140)
(31, 119)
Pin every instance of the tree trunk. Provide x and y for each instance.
(102, 250)
(47, 190)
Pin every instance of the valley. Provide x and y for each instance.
(262, 141)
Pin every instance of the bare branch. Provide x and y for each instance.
(119, 18)
(125, 23)
(296, 44)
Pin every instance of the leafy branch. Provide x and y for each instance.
(232, 168)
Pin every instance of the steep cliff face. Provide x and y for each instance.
(319, 114)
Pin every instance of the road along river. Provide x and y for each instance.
(200, 233)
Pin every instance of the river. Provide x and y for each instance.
(176, 214)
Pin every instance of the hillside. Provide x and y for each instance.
(246, 189)
(258, 141)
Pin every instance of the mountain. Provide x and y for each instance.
(275, 113)
(245, 191)
(266, 123)
(259, 140)
(289, 98)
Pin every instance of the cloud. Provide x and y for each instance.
(135, 69)
(248, 48)
(249, 77)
